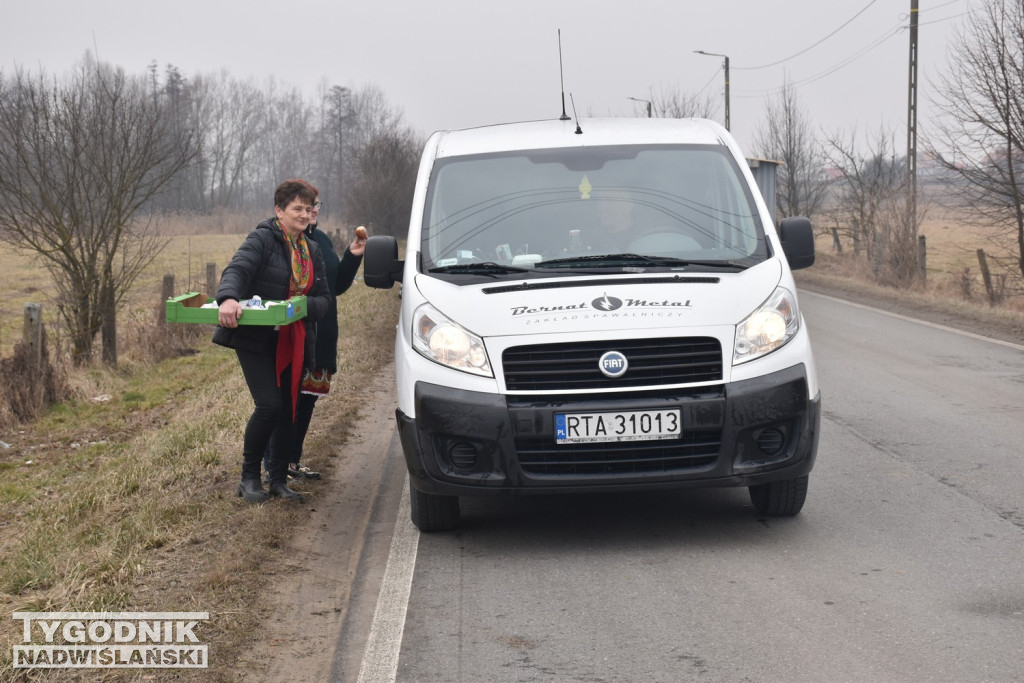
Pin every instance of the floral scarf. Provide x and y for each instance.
(302, 264)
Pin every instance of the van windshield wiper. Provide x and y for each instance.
(617, 260)
(484, 268)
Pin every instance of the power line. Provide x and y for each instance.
(710, 81)
(939, 21)
(849, 60)
(891, 32)
(932, 9)
(841, 27)
(877, 42)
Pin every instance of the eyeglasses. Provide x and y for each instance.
(316, 205)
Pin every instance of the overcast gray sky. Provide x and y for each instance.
(458, 63)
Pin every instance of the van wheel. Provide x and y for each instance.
(780, 498)
(433, 513)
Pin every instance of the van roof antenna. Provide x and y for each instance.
(579, 131)
(561, 77)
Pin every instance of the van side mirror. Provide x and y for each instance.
(797, 239)
(381, 266)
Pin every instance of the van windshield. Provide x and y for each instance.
(618, 207)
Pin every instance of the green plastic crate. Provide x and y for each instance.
(182, 309)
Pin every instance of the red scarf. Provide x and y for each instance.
(291, 339)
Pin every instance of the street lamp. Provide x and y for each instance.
(726, 58)
(636, 99)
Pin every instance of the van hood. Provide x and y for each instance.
(603, 303)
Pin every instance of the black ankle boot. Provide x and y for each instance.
(251, 490)
(281, 490)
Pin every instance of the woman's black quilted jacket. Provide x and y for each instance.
(262, 267)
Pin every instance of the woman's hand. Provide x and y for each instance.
(229, 312)
(358, 245)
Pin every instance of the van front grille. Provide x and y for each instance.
(575, 366)
(543, 457)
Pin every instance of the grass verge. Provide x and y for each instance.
(936, 300)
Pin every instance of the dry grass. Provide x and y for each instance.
(123, 498)
(25, 281)
(941, 297)
(953, 277)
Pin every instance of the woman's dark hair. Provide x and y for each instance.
(289, 190)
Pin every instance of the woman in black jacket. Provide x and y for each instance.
(275, 262)
(340, 273)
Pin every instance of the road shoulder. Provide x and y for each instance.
(320, 601)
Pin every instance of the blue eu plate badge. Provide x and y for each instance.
(560, 430)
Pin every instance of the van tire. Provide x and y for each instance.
(780, 498)
(433, 513)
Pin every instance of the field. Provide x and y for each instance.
(25, 280)
(953, 273)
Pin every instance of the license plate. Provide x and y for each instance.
(637, 425)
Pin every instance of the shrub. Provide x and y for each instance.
(28, 390)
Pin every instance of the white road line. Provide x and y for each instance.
(380, 659)
(915, 320)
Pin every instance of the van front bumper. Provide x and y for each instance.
(740, 434)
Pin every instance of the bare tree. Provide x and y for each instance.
(371, 115)
(787, 136)
(872, 206)
(240, 120)
(79, 159)
(282, 151)
(381, 196)
(248, 137)
(335, 121)
(980, 135)
(674, 104)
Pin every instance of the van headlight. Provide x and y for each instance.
(442, 341)
(768, 328)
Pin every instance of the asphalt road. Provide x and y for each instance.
(906, 564)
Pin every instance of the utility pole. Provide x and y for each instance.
(912, 121)
(726, 67)
(726, 92)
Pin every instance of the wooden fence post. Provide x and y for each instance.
(33, 339)
(987, 277)
(33, 336)
(922, 258)
(167, 293)
(211, 279)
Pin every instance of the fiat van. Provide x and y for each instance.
(596, 306)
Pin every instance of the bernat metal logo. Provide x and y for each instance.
(607, 303)
(613, 364)
(604, 306)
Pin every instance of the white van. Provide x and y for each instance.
(598, 307)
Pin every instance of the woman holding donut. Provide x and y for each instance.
(340, 273)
